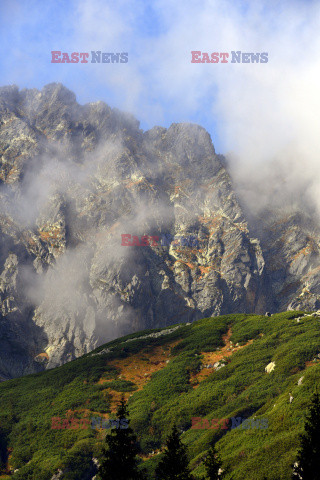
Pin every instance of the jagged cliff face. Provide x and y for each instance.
(74, 178)
(290, 240)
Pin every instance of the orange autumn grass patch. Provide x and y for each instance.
(138, 368)
(213, 357)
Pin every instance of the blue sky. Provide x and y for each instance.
(159, 85)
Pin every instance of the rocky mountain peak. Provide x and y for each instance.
(74, 179)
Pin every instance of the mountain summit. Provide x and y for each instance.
(74, 179)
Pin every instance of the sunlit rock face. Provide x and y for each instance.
(73, 180)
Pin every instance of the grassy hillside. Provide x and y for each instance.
(162, 378)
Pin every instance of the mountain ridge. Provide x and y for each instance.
(73, 179)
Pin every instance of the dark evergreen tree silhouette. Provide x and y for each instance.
(307, 466)
(174, 463)
(120, 461)
(3, 448)
(212, 464)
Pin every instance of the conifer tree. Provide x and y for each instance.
(307, 466)
(120, 460)
(174, 463)
(213, 464)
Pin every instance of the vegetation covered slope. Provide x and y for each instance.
(213, 368)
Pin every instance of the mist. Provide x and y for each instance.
(264, 116)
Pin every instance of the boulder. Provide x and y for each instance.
(270, 367)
